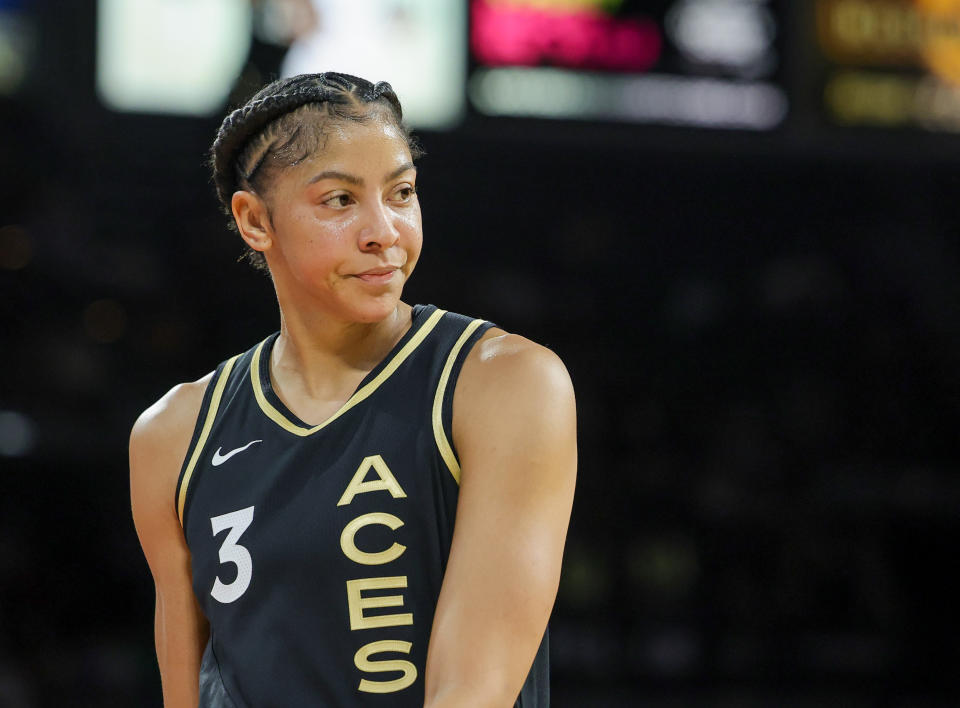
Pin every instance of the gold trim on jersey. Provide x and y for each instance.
(446, 451)
(360, 395)
(204, 433)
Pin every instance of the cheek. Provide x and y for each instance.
(316, 241)
(331, 234)
(413, 227)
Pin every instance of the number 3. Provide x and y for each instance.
(231, 552)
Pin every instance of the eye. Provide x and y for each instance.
(338, 201)
(405, 193)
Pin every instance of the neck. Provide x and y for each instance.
(323, 357)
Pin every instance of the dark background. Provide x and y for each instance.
(763, 331)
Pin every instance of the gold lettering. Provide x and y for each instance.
(362, 661)
(357, 603)
(386, 481)
(349, 546)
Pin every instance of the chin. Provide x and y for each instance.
(370, 310)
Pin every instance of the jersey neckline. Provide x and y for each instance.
(423, 319)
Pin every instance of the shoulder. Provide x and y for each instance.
(502, 361)
(169, 418)
(510, 380)
(159, 441)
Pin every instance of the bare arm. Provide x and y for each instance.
(515, 431)
(158, 445)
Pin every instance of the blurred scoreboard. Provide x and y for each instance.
(892, 63)
(754, 65)
(704, 63)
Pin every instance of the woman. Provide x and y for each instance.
(297, 505)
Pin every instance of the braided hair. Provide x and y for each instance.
(284, 123)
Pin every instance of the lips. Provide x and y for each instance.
(377, 275)
(386, 270)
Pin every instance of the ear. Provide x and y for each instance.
(253, 220)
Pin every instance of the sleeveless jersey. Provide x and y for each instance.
(318, 552)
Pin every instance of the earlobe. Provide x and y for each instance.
(253, 220)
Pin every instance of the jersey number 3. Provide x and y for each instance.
(232, 552)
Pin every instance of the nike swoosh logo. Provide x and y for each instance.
(219, 459)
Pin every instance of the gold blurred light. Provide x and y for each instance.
(891, 100)
(941, 48)
(857, 97)
(895, 33)
(870, 31)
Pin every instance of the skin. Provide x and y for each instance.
(322, 225)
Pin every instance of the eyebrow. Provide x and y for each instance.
(358, 181)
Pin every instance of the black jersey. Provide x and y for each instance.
(318, 551)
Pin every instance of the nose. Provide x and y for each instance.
(380, 231)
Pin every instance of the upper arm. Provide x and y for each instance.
(515, 431)
(158, 445)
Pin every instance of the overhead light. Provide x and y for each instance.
(734, 34)
(418, 47)
(158, 56)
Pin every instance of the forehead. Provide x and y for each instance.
(371, 142)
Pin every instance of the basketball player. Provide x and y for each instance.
(368, 507)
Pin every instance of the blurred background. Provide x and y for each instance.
(735, 220)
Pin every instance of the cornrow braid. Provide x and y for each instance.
(281, 97)
(278, 123)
